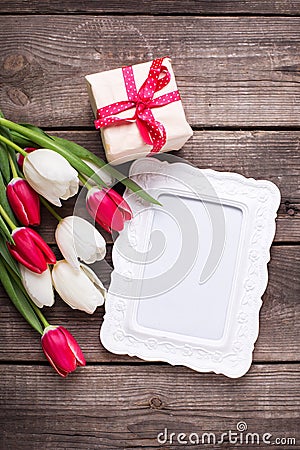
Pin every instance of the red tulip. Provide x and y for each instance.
(62, 350)
(108, 208)
(31, 250)
(20, 158)
(24, 201)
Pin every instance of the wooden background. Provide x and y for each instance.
(237, 65)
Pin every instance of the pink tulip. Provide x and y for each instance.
(62, 350)
(31, 250)
(108, 208)
(24, 201)
(20, 158)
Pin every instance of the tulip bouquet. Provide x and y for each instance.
(38, 168)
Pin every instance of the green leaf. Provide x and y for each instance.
(8, 258)
(43, 140)
(33, 128)
(4, 162)
(83, 153)
(48, 142)
(13, 156)
(19, 298)
(3, 200)
(5, 131)
(5, 231)
(20, 140)
(74, 148)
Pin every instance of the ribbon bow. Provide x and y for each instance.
(152, 131)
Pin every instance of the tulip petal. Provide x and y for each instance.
(31, 201)
(89, 243)
(71, 189)
(38, 286)
(51, 175)
(73, 344)
(50, 165)
(24, 201)
(60, 371)
(94, 279)
(57, 350)
(26, 249)
(117, 222)
(23, 261)
(61, 350)
(77, 238)
(121, 203)
(108, 208)
(103, 225)
(104, 210)
(65, 242)
(16, 205)
(20, 158)
(41, 244)
(41, 185)
(76, 288)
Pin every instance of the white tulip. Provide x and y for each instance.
(51, 175)
(78, 238)
(80, 289)
(106, 177)
(38, 286)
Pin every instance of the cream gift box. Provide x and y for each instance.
(123, 142)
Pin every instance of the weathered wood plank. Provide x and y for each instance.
(279, 330)
(237, 72)
(264, 155)
(112, 407)
(158, 7)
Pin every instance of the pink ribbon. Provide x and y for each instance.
(152, 131)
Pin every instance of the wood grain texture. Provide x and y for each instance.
(157, 7)
(231, 71)
(279, 337)
(274, 156)
(126, 407)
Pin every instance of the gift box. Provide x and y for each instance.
(138, 110)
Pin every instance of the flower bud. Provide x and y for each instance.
(80, 289)
(31, 250)
(77, 238)
(62, 350)
(24, 201)
(108, 208)
(38, 286)
(51, 175)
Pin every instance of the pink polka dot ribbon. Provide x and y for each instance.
(152, 131)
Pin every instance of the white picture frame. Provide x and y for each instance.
(202, 313)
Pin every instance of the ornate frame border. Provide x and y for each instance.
(260, 199)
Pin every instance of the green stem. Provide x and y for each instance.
(33, 305)
(12, 145)
(84, 181)
(50, 209)
(39, 314)
(12, 166)
(7, 218)
(33, 320)
(45, 142)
